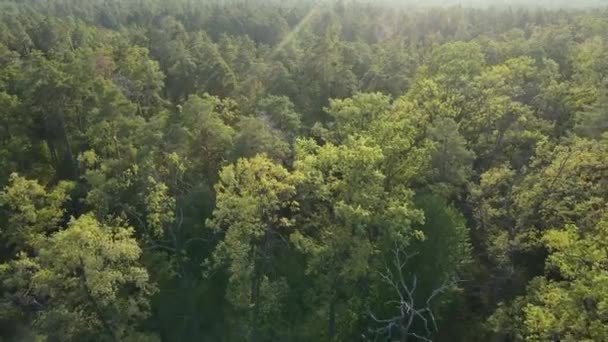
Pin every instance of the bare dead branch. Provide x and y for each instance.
(409, 310)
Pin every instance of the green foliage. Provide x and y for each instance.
(254, 198)
(301, 170)
(446, 248)
(30, 211)
(451, 160)
(348, 217)
(572, 307)
(161, 208)
(281, 114)
(85, 271)
(83, 283)
(256, 136)
(202, 132)
(593, 122)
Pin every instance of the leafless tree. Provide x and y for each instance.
(399, 327)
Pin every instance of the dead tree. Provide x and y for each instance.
(400, 327)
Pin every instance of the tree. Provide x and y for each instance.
(451, 160)
(256, 135)
(445, 85)
(348, 216)
(140, 78)
(30, 212)
(593, 122)
(513, 211)
(255, 202)
(342, 137)
(392, 69)
(409, 310)
(88, 282)
(420, 281)
(195, 65)
(396, 127)
(201, 131)
(15, 147)
(504, 124)
(14, 137)
(47, 91)
(325, 73)
(568, 303)
(281, 115)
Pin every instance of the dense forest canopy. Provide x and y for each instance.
(303, 171)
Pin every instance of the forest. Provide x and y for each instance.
(300, 170)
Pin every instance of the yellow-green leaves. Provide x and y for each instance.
(571, 303)
(85, 280)
(84, 273)
(349, 216)
(254, 200)
(32, 211)
(396, 128)
(160, 207)
(358, 114)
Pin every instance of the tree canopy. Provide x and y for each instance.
(303, 171)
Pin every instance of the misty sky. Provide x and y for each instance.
(485, 3)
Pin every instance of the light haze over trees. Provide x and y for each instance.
(303, 171)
